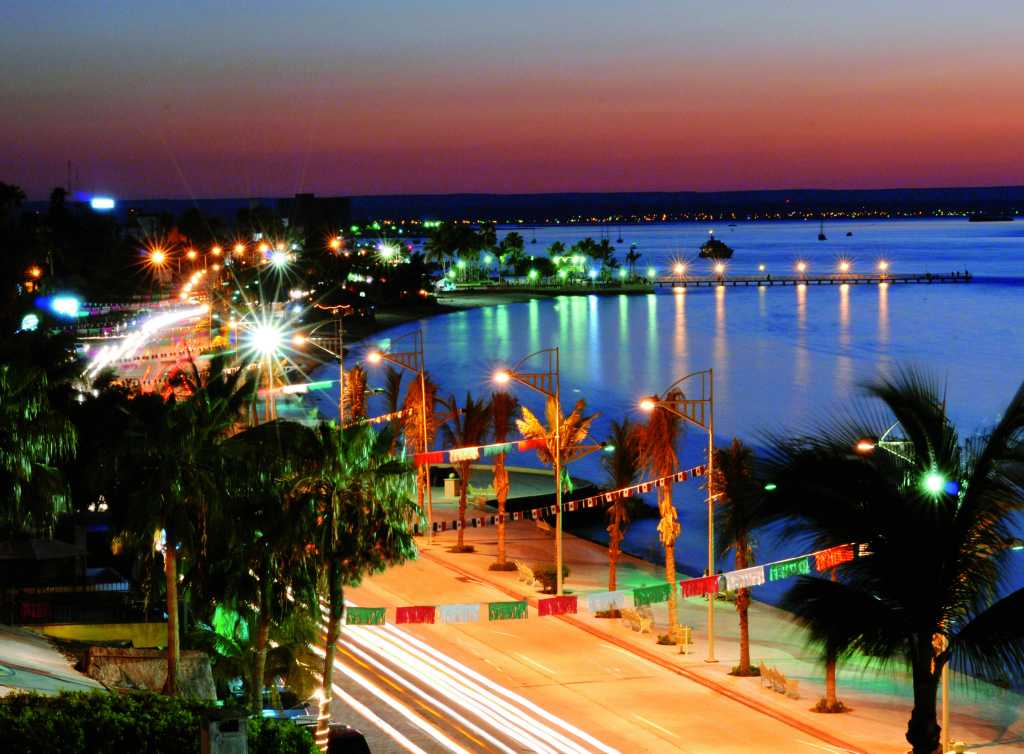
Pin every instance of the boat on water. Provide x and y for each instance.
(714, 249)
(989, 219)
(821, 231)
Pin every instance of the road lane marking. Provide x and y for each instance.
(533, 662)
(654, 725)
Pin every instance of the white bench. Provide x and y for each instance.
(525, 574)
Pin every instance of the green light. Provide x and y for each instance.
(533, 274)
(933, 482)
(650, 272)
(319, 385)
(770, 486)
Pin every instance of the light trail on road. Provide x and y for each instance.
(450, 694)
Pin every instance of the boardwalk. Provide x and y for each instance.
(836, 279)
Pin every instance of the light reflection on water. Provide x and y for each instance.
(780, 355)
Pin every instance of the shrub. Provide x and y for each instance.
(752, 671)
(546, 574)
(506, 566)
(823, 706)
(607, 614)
(100, 723)
(464, 548)
(665, 639)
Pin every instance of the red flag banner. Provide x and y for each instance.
(831, 558)
(557, 606)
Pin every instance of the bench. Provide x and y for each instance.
(525, 573)
(778, 682)
(635, 621)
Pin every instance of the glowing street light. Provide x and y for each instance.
(700, 412)
(547, 384)
(414, 362)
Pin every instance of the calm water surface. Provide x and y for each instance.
(781, 356)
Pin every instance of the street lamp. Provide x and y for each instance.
(413, 361)
(548, 384)
(341, 364)
(698, 411)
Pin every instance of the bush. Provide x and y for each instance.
(506, 566)
(665, 639)
(607, 614)
(752, 671)
(464, 548)
(146, 723)
(270, 736)
(823, 706)
(546, 574)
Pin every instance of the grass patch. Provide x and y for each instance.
(753, 670)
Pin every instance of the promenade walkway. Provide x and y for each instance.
(988, 718)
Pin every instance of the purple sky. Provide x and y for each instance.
(215, 99)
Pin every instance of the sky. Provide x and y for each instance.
(209, 99)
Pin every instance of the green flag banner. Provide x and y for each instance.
(648, 595)
(493, 450)
(364, 616)
(787, 568)
(506, 610)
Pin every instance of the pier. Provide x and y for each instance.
(848, 278)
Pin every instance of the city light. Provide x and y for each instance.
(102, 204)
(266, 339)
(157, 257)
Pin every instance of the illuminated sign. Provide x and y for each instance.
(102, 203)
(29, 322)
(68, 306)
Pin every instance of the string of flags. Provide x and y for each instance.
(602, 601)
(479, 451)
(572, 505)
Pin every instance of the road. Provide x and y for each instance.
(531, 685)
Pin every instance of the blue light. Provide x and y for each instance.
(68, 306)
(102, 203)
(951, 488)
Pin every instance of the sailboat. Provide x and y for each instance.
(821, 231)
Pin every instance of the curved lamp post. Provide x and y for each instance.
(413, 361)
(341, 363)
(547, 384)
(701, 413)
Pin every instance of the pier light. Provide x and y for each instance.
(680, 269)
(761, 268)
(801, 266)
(845, 266)
(651, 272)
(719, 268)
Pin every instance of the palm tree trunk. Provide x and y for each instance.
(670, 577)
(923, 732)
(742, 607)
(171, 572)
(501, 485)
(335, 598)
(464, 483)
(830, 675)
(613, 554)
(262, 639)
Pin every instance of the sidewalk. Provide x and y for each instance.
(29, 663)
(879, 703)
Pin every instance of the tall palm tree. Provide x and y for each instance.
(33, 440)
(934, 515)
(502, 409)
(392, 399)
(412, 425)
(512, 247)
(174, 465)
(622, 468)
(631, 259)
(573, 430)
(355, 394)
(268, 535)
(467, 428)
(355, 504)
(658, 440)
(737, 516)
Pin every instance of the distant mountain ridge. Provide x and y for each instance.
(622, 207)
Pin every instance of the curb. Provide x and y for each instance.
(660, 660)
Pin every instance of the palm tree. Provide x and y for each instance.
(355, 394)
(512, 248)
(573, 430)
(737, 515)
(412, 426)
(502, 409)
(467, 428)
(623, 469)
(658, 440)
(268, 535)
(174, 465)
(631, 259)
(392, 397)
(33, 440)
(355, 504)
(932, 514)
